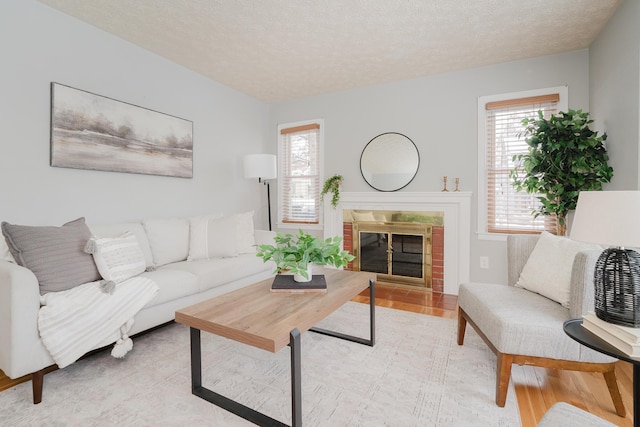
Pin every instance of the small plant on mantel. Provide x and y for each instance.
(332, 185)
(295, 253)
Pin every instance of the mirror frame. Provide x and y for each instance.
(414, 173)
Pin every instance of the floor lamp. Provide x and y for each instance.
(264, 167)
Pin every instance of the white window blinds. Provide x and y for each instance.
(510, 211)
(300, 167)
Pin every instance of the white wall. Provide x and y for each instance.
(614, 84)
(439, 113)
(40, 45)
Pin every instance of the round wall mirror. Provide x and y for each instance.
(389, 161)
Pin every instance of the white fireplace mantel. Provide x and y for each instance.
(457, 223)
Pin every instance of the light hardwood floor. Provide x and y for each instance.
(537, 389)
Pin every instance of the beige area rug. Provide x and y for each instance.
(416, 375)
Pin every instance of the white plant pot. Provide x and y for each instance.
(301, 278)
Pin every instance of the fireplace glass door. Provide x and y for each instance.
(392, 254)
(374, 252)
(407, 253)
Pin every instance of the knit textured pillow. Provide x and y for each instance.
(117, 258)
(54, 254)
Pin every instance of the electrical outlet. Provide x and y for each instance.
(484, 262)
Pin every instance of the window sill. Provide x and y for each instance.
(497, 237)
(292, 226)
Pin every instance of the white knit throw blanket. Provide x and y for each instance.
(83, 318)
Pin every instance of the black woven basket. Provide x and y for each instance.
(617, 287)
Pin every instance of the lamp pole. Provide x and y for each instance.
(266, 182)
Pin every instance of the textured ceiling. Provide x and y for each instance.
(279, 50)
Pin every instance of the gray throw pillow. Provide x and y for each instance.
(54, 254)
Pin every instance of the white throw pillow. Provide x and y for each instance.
(218, 239)
(168, 238)
(117, 258)
(246, 238)
(197, 235)
(118, 229)
(548, 269)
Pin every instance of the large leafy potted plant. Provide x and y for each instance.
(564, 157)
(296, 253)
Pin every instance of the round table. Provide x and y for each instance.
(573, 328)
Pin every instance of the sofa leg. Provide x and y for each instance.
(612, 385)
(37, 381)
(462, 326)
(503, 376)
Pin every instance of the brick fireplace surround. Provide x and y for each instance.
(456, 206)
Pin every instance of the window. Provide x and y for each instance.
(299, 157)
(502, 209)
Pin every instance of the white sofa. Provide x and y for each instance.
(167, 245)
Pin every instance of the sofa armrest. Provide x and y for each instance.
(264, 237)
(519, 247)
(581, 293)
(21, 351)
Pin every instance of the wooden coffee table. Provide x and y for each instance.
(255, 316)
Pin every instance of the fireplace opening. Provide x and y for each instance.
(397, 245)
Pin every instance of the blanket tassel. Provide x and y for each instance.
(124, 343)
(108, 286)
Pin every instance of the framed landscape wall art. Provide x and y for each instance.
(90, 131)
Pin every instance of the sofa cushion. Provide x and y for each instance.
(214, 238)
(197, 229)
(118, 229)
(117, 258)
(172, 284)
(517, 321)
(548, 268)
(246, 239)
(55, 255)
(220, 271)
(168, 239)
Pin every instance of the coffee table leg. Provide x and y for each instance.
(372, 323)
(196, 360)
(372, 311)
(296, 379)
(231, 405)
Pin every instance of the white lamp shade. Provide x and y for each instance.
(610, 218)
(260, 166)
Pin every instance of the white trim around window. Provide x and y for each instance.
(315, 204)
(482, 216)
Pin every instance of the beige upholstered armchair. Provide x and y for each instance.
(525, 328)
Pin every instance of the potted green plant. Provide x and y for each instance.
(332, 185)
(564, 157)
(298, 253)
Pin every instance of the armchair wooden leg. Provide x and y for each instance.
(612, 385)
(503, 376)
(37, 381)
(462, 326)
